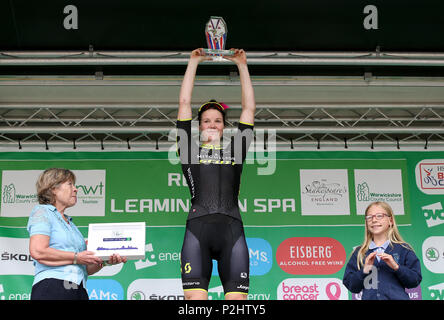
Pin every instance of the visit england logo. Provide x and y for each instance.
(19, 194)
(324, 192)
(379, 185)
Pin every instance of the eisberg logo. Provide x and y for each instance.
(312, 289)
(311, 255)
(434, 214)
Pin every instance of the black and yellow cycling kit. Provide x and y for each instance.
(214, 225)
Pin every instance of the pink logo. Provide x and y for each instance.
(312, 289)
(337, 291)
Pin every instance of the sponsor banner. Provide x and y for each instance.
(104, 289)
(379, 185)
(433, 254)
(311, 255)
(433, 214)
(436, 292)
(15, 258)
(312, 289)
(15, 287)
(147, 187)
(414, 294)
(430, 176)
(324, 192)
(155, 289)
(19, 195)
(304, 192)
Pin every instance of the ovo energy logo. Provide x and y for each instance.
(437, 292)
(434, 214)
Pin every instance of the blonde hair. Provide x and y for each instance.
(50, 179)
(393, 233)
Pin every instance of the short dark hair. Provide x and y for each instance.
(212, 104)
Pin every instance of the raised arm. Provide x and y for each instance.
(186, 90)
(248, 101)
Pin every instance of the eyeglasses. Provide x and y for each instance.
(378, 216)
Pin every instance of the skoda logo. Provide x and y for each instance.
(432, 254)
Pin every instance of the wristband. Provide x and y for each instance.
(75, 258)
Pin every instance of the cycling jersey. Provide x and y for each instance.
(214, 227)
(213, 173)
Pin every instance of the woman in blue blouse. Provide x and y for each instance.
(61, 261)
(384, 265)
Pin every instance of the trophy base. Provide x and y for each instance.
(218, 52)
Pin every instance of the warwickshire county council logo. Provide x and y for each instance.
(363, 192)
(18, 195)
(379, 185)
(8, 193)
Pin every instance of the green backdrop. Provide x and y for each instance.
(305, 215)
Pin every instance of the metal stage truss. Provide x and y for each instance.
(109, 112)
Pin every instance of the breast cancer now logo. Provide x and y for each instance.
(312, 289)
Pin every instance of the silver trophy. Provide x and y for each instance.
(216, 35)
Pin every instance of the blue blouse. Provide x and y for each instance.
(46, 220)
